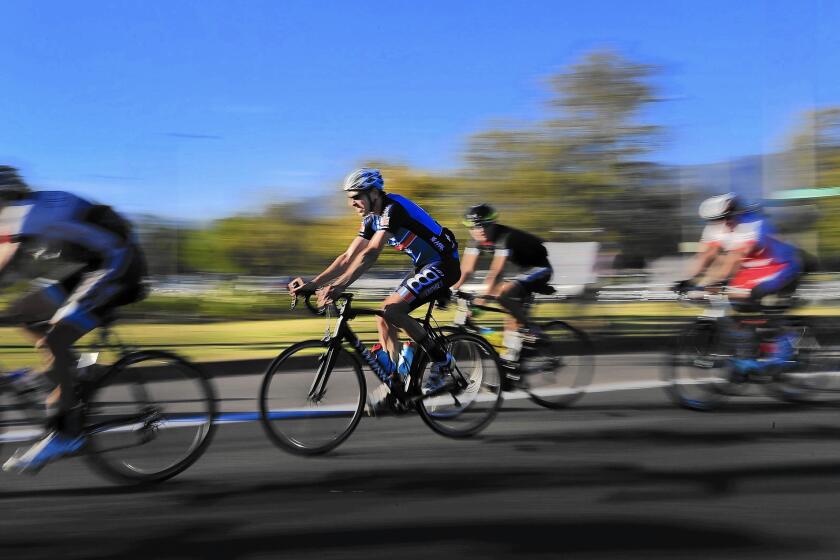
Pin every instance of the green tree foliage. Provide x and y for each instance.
(275, 241)
(583, 166)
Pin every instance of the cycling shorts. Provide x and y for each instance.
(760, 281)
(534, 279)
(426, 282)
(81, 300)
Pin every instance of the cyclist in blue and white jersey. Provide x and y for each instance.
(103, 268)
(391, 219)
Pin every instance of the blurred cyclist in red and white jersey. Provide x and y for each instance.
(739, 244)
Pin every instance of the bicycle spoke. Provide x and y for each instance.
(149, 417)
(310, 402)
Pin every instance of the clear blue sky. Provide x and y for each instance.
(201, 108)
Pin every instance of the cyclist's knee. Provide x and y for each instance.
(63, 335)
(510, 293)
(394, 311)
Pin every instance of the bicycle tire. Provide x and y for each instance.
(814, 375)
(127, 386)
(696, 371)
(446, 414)
(566, 365)
(290, 410)
(20, 423)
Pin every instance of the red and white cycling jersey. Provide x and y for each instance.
(754, 235)
(767, 261)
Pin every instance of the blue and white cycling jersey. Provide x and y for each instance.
(412, 230)
(60, 219)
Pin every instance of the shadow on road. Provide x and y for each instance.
(613, 538)
(684, 436)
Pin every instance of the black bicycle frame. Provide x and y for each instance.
(344, 332)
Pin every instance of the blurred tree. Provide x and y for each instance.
(583, 167)
(814, 156)
(162, 244)
(277, 241)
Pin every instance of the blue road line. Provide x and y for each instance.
(233, 417)
(30, 434)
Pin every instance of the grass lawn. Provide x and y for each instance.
(234, 340)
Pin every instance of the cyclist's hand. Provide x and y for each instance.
(296, 285)
(458, 294)
(328, 294)
(683, 286)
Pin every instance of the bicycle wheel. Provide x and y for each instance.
(698, 369)
(814, 375)
(464, 412)
(302, 424)
(148, 417)
(557, 372)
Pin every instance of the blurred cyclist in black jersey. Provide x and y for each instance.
(506, 244)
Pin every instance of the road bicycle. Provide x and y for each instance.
(724, 352)
(554, 369)
(146, 418)
(313, 394)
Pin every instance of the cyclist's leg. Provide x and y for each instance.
(514, 293)
(511, 295)
(389, 336)
(80, 314)
(421, 288)
(33, 311)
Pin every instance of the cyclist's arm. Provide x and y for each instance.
(703, 259)
(363, 260)
(467, 267)
(341, 263)
(491, 283)
(730, 264)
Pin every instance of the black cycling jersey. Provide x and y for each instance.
(412, 230)
(522, 248)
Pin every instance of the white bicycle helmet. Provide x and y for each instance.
(721, 206)
(364, 179)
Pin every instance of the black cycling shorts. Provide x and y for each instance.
(534, 279)
(426, 282)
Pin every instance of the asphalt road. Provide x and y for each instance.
(623, 474)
